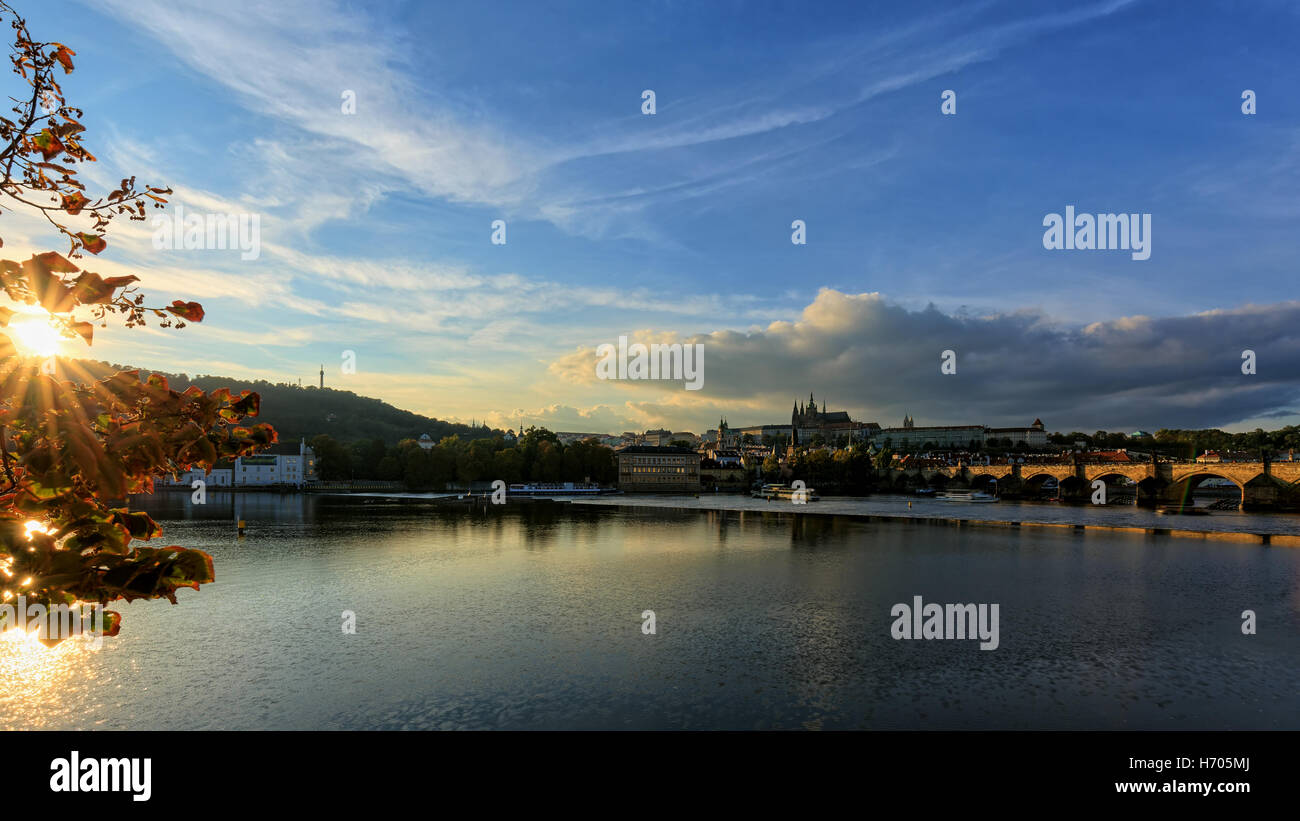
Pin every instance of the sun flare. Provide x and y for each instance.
(35, 336)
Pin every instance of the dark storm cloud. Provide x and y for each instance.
(881, 361)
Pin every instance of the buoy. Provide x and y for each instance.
(242, 525)
(909, 505)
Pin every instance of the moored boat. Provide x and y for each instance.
(965, 496)
(786, 492)
(557, 489)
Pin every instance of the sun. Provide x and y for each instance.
(35, 336)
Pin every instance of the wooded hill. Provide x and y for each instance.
(303, 411)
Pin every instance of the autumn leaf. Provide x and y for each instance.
(47, 144)
(56, 262)
(74, 202)
(92, 243)
(64, 56)
(91, 289)
(248, 405)
(47, 288)
(189, 311)
(139, 524)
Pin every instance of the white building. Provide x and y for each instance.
(217, 477)
(283, 464)
(1035, 436)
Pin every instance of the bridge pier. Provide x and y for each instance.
(1011, 487)
(1149, 493)
(1074, 490)
(1260, 495)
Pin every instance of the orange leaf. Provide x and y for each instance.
(189, 311)
(92, 243)
(64, 56)
(85, 330)
(56, 262)
(74, 202)
(47, 144)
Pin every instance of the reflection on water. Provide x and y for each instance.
(530, 617)
(36, 676)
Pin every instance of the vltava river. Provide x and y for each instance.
(530, 617)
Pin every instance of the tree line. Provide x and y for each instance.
(537, 456)
(1186, 444)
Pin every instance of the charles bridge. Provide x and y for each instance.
(1264, 484)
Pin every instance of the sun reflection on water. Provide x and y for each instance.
(33, 676)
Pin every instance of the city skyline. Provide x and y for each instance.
(924, 229)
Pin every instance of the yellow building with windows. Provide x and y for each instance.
(649, 469)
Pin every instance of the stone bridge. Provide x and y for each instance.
(1263, 484)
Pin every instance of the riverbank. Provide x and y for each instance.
(1278, 530)
(1271, 529)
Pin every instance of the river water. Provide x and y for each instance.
(531, 617)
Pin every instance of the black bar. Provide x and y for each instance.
(261, 771)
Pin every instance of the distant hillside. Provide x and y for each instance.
(298, 412)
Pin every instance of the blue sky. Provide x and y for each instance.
(674, 227)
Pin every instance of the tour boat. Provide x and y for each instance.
(786, 492)
(557, 489)
(965, 496)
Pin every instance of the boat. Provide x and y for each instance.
(925, 491)
(557, 489)
(965, 496)
(770, 492)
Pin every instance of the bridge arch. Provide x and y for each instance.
(984, 482)
(1120, 486)
(939, 480)
(1180, 491)
(1032, 484)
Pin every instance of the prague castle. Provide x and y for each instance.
(807, 421)
(810, 422)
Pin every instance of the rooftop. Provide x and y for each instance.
(654, 449)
